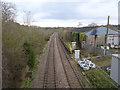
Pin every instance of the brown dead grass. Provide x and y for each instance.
(14, 57)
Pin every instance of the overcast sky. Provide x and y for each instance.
(67, 13)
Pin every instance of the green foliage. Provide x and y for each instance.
(69, 46)
(75, 36)
(82, 37)
(27, 83)
(29, 51)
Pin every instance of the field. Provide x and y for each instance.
(22, 48)
(102, 61)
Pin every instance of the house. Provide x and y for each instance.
(96, 37)
(115, 68)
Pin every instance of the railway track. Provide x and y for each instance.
(50, 73)
(72, 64)
(72, 74)
(58, 72)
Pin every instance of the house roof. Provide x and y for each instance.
(101, 31)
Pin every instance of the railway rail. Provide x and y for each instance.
(76, 81)
(49, 75)
(58, 70)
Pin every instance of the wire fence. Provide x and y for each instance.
(98, 50)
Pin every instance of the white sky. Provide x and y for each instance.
(67, 13)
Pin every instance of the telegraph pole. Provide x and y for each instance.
(108, 24)
(106, 34)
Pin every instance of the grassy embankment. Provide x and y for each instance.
(97, 78)
(22, 48)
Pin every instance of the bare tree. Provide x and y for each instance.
(92, 24)
(8, 11)
(28, 18)
(79, 24)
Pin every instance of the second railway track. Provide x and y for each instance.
(72, 74)
(58, 71)
(50, 75)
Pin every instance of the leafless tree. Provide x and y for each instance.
(28, 18)
(79, 24)
(8, 11)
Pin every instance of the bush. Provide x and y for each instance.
(65, 35)
(29, 51)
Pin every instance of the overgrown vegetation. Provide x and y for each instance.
(69, 46)
(97, 80)
(75, 37)
(22, 48)
(65, 35)
(31, 55)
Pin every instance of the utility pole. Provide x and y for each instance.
(108, 24)
(106, 34)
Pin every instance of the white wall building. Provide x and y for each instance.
(114, 40)
(115, 68)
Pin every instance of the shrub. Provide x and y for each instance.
(29, 51)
